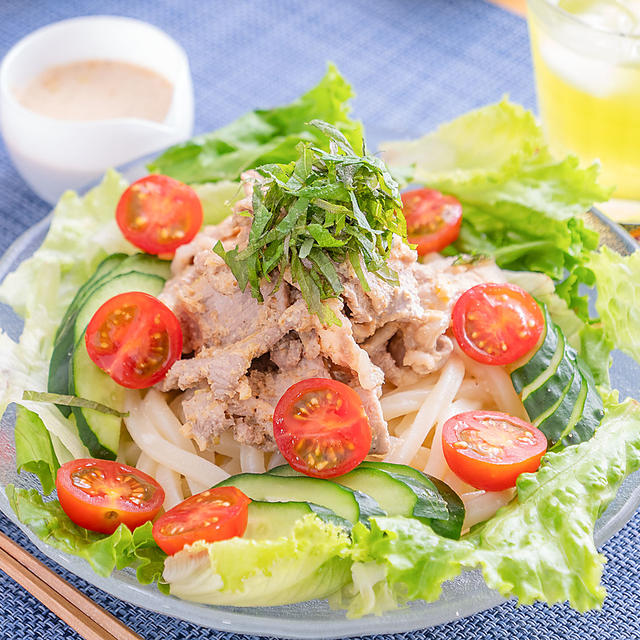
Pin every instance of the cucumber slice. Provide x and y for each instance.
(539, 361)
(109, 263)
(555, 382)
(396, 496)
(547, 374)
(285, 471)
(592, 410)
(271, 520)
(123, 283)
(562, 399)
(58, 381)
(100, 432)
(447, 523)
(563, 415)
(147, 264)
(344, 502)
(65, 339)
(450, 527)
(108, 266)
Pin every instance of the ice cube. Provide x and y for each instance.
(614, 16)
(589, 73)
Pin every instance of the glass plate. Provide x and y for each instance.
(461, 597)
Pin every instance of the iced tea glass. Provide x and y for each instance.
(586, 56)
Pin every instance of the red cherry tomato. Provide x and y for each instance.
(100, 494)
(135, 338)
(433, 219)
(215, 514)
(158, 214)
(489, 449)
(321, 428)
(497, 323)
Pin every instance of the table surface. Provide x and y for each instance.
(413, 63)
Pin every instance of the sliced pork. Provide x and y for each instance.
(240, 355)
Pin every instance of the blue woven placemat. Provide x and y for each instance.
(414, 63)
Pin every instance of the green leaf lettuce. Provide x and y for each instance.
(520, 205)
(263, 136)
(539, 547)
(34, 451)
(103, 552)
(311, 562)
(83, 231)
(618, 302)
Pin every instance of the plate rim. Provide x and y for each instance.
(231, 620)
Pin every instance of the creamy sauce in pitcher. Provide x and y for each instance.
(98, 90)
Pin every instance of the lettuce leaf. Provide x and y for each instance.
(263, 136)
(217, 198)
(34, 451)
(103, 552)
(312, 562)
(618, 302)
(83, 231)
(539, 547)
(520, 205)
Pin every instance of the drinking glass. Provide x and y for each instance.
(586, 56)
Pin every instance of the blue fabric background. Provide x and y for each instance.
(414, 63)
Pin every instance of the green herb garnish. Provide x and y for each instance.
(316, 212)
(72, 401)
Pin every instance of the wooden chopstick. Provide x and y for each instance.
(90, 620)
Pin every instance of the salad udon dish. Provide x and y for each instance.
(282, 368)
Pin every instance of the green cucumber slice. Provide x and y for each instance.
(107, 266)
(592, 410)
(564, 415)
(99, 432)
(285, 471)
(58, 381)
(344, 502)
(271, 520)
(147, 264)
(450, 527)
(123, 283)
(551, 369)
(558, 391)
(556, 381)
(65, 339)
(447, 523)
(539, 361)
(395, 495)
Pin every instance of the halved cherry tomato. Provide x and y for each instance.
(158, 214)
(135, 338)
(497, 323)
(100, 494)
(489, 449)
(321, 428)
(215, 514)
(433, 219)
